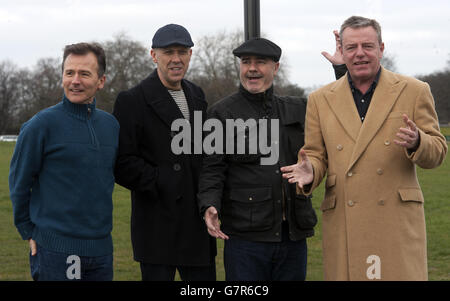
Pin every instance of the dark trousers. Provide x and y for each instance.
(160, 272)
(265, 261)
(49, 265)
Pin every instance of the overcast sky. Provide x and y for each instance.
(415, 32)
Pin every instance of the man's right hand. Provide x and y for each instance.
(301, 173)
(212, 223)
(33, 247)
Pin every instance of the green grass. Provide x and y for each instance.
(14, 251)
(445, 131)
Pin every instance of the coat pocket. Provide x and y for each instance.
(329, 201)
(331, 181)
(411, 195)
(305, 216)
(252, 209)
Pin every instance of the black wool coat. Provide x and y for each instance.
(166, 227)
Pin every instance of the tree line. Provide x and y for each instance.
(26, 91)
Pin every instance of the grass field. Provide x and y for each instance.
(445, 131)
(14, 251)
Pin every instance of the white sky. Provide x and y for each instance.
(415, 32)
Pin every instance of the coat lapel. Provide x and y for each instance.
(383, 100)
(340, 100)
(157, 96)
(195, 103)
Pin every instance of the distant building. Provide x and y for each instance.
(8, 138)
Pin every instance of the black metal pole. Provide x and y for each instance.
(252, 22)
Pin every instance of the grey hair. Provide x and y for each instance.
(358, 22)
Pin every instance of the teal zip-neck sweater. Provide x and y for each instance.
(61, 179)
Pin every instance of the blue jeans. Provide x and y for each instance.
(265, 261)
(48, 265)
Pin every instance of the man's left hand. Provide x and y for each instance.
(409, 135)
(336, 58)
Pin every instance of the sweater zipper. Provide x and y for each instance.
(91, 129)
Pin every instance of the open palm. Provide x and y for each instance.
(300, 173)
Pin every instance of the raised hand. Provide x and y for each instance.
(336, 58)
(409, 135)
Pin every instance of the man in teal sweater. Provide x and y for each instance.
(61, 176)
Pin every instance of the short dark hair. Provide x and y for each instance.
(85, 48)
(358, 22)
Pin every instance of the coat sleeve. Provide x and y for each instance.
(433, 147)
(212, 178)
(339, 70)
(24, 171)
(131, 170)
(314, 146)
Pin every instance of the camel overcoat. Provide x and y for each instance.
(373, 210)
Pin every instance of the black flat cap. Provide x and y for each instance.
(259, 47)
(171, 34)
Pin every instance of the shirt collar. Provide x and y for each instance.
(374, 83)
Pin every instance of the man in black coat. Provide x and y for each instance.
(264, 223)
(167, 231)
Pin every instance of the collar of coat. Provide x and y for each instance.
(158, 97)
(260, 97)
(339, 98)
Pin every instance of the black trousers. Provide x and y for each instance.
(160, 272)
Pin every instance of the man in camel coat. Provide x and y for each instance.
(367, 132)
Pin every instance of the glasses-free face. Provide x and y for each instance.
(257, 73)
(173, 63)
(362, 53)
(80, 78)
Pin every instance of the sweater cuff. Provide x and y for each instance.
(26, 230)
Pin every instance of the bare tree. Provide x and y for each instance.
(213, 65)
(46, 84)
(388, 62)
(8, 93)
(448, 63)
(128, 62)
(439, 85)
(216, 69)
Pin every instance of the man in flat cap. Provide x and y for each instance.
(167, 231)
(263, 222)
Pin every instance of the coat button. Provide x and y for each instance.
(351, 203)
(381, 202)
(387, 142)
(177, 167)
(339, 147)
(350, 174)
(379, 171)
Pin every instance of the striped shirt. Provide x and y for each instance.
(180, 100)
